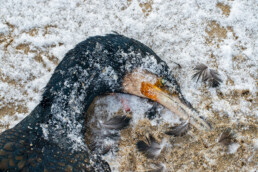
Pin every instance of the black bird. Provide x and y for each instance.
(51, 137)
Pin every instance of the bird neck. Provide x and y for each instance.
(67, 113)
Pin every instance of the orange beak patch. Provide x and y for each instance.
(148, 90)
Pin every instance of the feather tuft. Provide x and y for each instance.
(151, 149)
(117, 123)
(227, 137)
(206, 74)
(107, 131)
(179, 130)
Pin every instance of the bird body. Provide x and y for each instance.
(51, 137)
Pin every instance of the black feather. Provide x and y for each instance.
(215, 81)
(115, 32)
(151, 149)
(117, 123)
(142, 146)
(206, 74)
(201, 68)
(179, 130)
(226, 137)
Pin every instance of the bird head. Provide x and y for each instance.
(134, 68)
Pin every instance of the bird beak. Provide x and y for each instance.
(175, 103)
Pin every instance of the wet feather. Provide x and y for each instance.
(179, 130)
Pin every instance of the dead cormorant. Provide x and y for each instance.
(51, 138)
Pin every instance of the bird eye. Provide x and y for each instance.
(162, 82)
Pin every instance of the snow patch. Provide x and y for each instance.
(232, 148)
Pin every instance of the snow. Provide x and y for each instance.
(175, 30)
(233, 148)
